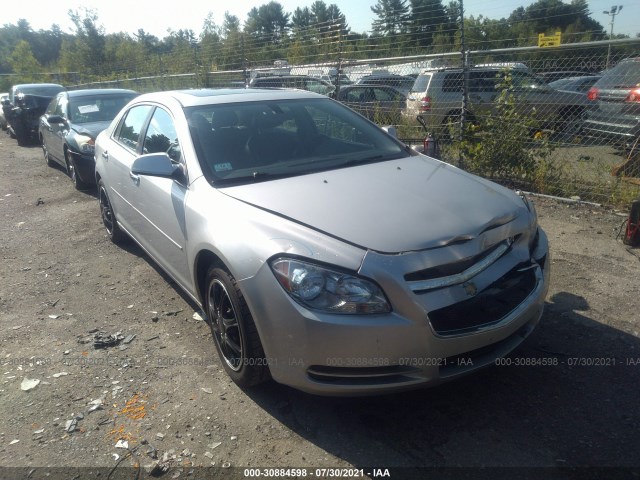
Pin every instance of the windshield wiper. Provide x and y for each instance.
(256, 176)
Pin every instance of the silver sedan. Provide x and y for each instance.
(326, 254)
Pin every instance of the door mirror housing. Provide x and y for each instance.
(56, 119)
(157, 165)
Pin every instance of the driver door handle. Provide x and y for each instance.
(105, 155)
(135, 178)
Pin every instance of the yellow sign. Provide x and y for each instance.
(550, 40)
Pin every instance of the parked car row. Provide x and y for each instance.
(65, 123)
(70, 125)
(325, 253)
(435, 95)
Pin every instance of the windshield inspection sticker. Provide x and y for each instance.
(222, 167)
(88, 108)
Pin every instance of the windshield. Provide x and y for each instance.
(270, 139)
(97, 108)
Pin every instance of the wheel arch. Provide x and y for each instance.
(204, 260)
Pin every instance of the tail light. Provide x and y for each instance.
(593, 93)
(634, 96)
(425, 104)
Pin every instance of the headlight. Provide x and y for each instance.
(533, 221)
(86, 144)
(320, 288)
(530, 206)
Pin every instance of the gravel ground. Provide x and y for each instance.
(565, 405)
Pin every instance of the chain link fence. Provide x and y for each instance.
(533, 118)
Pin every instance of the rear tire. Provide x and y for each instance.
(571, 122)
(632, 235)
(234, 332)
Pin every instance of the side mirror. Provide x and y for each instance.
(55, 119)
(156, 165)
(391, 131)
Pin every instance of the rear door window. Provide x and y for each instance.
(453, 82)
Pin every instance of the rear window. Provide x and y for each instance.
(44, 91)
(624, 75)
(422, 83)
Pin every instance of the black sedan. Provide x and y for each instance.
(72, 122)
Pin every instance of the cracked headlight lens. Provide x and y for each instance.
(86, 144)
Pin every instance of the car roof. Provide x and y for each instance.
(285, 77)
(394, 76)
(98, 91)
(34, 85)
(208, 96)
(370, 85)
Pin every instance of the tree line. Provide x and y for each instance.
(311, 34)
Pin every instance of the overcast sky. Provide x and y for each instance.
(158, 17)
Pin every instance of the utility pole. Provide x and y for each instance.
(612, 13)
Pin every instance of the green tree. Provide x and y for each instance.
(392, 17)
(232, 54)
(301, 19)
(23, 62)
(89, 39)
(210, 42)
(267, 22)
(426, 17)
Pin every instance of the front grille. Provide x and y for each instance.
(484, 356)
(447, 269)
(443, 276)
(488, 306)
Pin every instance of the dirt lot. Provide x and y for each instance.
(166, 395)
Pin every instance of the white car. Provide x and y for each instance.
(3, 121)
(326, 254)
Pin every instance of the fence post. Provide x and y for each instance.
(465, 85)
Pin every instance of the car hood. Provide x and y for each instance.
(91, 129)
(395, 206)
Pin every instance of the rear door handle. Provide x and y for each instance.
(105, 155)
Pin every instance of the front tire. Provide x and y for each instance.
(109, 221)
(234, 332)
(45, 153)
(21, 136)
(73, 173)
